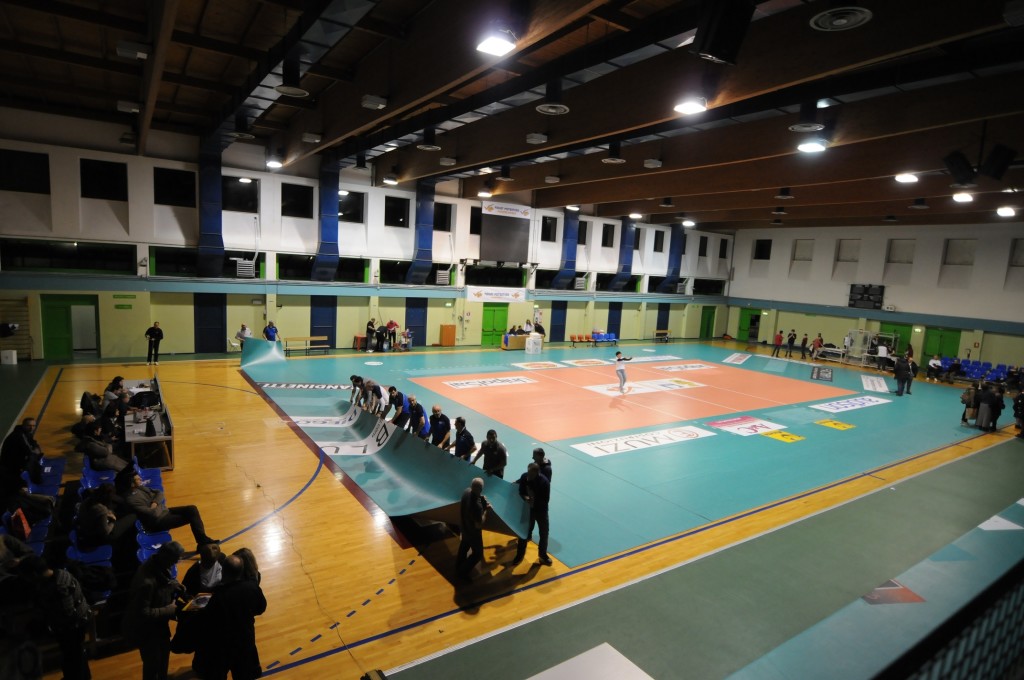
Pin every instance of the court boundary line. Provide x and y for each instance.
(642, 549)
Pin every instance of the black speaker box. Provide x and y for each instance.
(721, 28)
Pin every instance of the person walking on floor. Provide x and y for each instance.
(790, 341)
(777, 342)
(154, 335)
(535, 489)
(473, 509)
(620, 370)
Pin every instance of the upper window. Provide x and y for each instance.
(636, 239)
(848, 250)
(239, 195)
(608, 235)
(702, 248)
(350, 206)
(763, 249)
(548, 228)
(803, 249)
(901, 251)
(24, 171)
(442, 216)
(476, 219)
(581, 237)
(174, 187)
(723, 249)
(659, 241)
(396, 211)
(296, 200)
(104, 180)
(959, 251)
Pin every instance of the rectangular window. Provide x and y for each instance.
(763, 249)
(548, 228)
(682, 250)
(608, 235)
(476, 219)
(240, 196)
(104, 180)
(442, 216)
(659, 241)
(296, 200)
(174, 187)
(636, 239)
(702, 248)
(24, 171)
(581, 238)
(350, 206)
(803, 249)
(901, 251)
(849, 250)
(1017, 254)
(959, 251)
(396, 211)
(723, 249)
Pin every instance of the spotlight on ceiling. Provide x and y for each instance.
(506, 174)
(721, 27)
(373, 102)
(574, 208)
(635, 216)
(652, 163)
(686, 221)
(960, 169)
(614, 154)
(498, 41)
(391, 179)
(446, 161)
(125, 106)
(840, 19)
(536, 138)
(245, 180)
(906, 178)
(241, 130)
(666, 202)
(1006, 211)
(486, 191)
(919, 204)
(808, 121)
(289, 86)
(691, 104)
(552, 179)
(813, 145)
(962, 197)
(784, 194)
(779, 211)
(274, 160)
(429, 142)
(552, 104)
(342, 192)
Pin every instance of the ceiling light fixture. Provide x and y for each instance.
(342, 192)
(962, 197)
(486, 191)
(312, 137)
(245, 180)
(840, 19)
(241, 130)
(498, 41)
(652, 163)
(614, 154)
(446, 161)
(125, 106)
(536, 138)
(906, 178)
(666, 202)
(808, 121)
(429, 142)
(686, 221)
(779, 211)
(274, 160)
(784, 194)
(813, 145)
(1006, 211)
(373, 102)
(361, 162)
(506, 174)
(552, 104)
(289, 86)
(919, 204)
(552, 179)
(574, 208)
(132, 50)
(998, 161)
(391, 179)
(691, 104)
(635, 216)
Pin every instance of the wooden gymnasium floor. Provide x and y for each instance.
(347, 592)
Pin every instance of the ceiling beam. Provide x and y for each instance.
(162, 17)
(608, 106)
(73, 58)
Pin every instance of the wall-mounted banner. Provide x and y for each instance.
(642, 440)
(494, 294)
(506, 210)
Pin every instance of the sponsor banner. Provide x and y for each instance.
(737, 358)
(586, 362)
(643, 440)
(874, 383)
(662, 357)
(746, 425)
(489, 382)
(303, 386)
(835, 424)
(536, 365)
(382, 431)
(506, 210)
(821, 373)
(494, 294)
(850, 404)
(672, 368)
(783, 436)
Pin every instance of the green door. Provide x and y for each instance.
(903, 331)
(707, 322)
(750, 325)
(944, 341)
(494, 324)
(58, 339)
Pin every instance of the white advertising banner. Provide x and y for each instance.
(495, 294)
(506, 210)
(643, 440)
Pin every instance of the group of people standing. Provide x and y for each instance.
(270, 332)
(984, 403)
(807, 345)
(386, 337)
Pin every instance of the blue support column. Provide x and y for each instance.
(570, 237)
(675, 260)
(625, 270)
(423, 257)
(325, 265)
(210, 262)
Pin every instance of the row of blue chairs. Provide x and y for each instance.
(973, 369)
(49, 485)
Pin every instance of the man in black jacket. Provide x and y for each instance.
(535, 489)
(150, 607)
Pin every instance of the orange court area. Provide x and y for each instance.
(578, 401)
